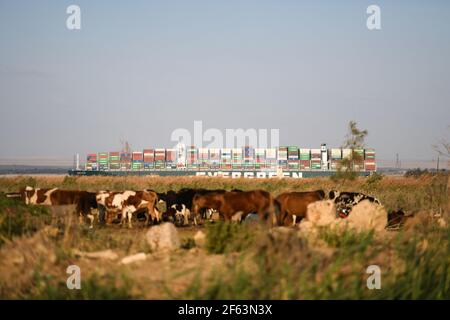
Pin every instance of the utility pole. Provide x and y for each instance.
(437, 164)
(397, 162)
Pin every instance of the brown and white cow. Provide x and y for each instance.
(84, 201)
(127, 203)
(182, 215)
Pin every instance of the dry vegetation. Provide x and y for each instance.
(237, 261)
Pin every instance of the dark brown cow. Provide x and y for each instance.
(83, 200)
(127, 203)
(396, 219)
(231, 204)
(292, 206)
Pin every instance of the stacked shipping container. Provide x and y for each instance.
(149, 159)
(249, 162)
(203, 158)
(316, 159)
(91, 162)
(192, 158)
(335, 158)
(271, 159)
(358, 159)
(369, 160)
(293, 158)
(237, 159)
(225, 159)
(125, 161)
(137, 160)
(283, 158)
(114, 160)
(171, 158)
(160, 159)
(214, 158)
(103, 161)
(260, 158)
(305, 159)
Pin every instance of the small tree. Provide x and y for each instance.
(443, 147)
(353, 140)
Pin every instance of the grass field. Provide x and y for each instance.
(237, 261)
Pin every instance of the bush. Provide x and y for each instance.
(347, 239)
(224, 237)
(16, 219)
(374, 179)
(69, 182)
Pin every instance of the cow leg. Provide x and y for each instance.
(125, 217)
(186, 214)
(157, 214)
(101, 214)
(294, 219)
(195, 219)
(91, 219)
(129, 216)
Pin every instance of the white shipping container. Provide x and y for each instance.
(316, 154)
(271, 153)
(336, 154)
(260, 151)
(346, 153)
(305, 151)
(282, 155)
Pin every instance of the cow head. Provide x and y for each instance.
(27, 193)
(333, 194)
(180, 211)
(209, 213)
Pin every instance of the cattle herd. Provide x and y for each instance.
(189, 206)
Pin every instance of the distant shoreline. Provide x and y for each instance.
(12, 170)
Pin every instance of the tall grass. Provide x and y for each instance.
(222, 237)
(16, 219)
(286, 266)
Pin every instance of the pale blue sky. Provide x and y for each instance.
(137, 70)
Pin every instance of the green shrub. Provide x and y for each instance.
(69, 182)
(374, 179)
(347, 239)
(16, 219)
(224, 237)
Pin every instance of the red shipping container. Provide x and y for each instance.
(137, 156)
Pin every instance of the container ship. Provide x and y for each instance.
(247, 162)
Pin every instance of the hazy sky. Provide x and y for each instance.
(137, 70)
